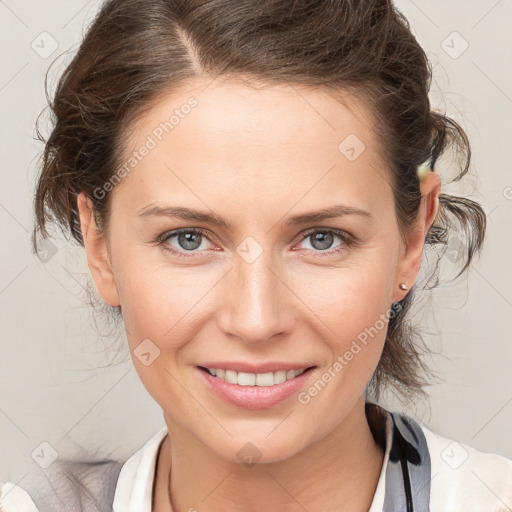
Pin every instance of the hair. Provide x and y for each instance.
(137, 50)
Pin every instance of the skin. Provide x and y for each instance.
(256, 156)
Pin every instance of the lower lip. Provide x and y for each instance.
(254, 397)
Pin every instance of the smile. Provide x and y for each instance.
(254, 379)
(254, 390)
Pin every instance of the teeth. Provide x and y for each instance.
(248, 379)
(263, 379)
(231, 377)
(255, 379)
(279, 377)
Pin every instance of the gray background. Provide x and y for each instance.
(63, 384)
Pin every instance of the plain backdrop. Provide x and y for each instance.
(69, 392)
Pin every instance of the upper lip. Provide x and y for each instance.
(240, 366)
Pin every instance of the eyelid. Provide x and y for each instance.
(174, 232)
(339, 232)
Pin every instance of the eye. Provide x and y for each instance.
(321, 240)
(192, 241)
(187, 239)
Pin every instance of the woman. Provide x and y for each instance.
(254, 184)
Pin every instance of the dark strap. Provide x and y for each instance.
(408, 473)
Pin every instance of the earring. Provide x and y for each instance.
(403, 286)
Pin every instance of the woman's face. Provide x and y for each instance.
(270, 282)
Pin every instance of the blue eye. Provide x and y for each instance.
(190, 241)
(324, 238)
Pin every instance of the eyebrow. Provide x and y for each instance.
(184, 213)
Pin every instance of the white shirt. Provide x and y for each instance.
(462, 479)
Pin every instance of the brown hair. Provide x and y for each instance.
(135, 50)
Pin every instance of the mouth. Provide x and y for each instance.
(255, 379)
(254, 390)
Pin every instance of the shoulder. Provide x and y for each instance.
(64, 487)
(82, 486)
(465, 478)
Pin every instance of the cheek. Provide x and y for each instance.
(355, 312)
(353, 304)
(350, 298)
(356, 315)
(161, 300)
(160, 305)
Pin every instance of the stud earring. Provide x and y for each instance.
(403, 286)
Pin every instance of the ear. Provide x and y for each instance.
(410, 260)
(98, 258)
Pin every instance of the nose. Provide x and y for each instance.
(257, 305)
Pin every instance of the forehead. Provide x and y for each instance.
(244, 143)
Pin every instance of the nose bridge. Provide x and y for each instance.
(257, 306)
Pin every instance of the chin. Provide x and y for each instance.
(251, 449)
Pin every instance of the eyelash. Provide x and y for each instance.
(348, 240)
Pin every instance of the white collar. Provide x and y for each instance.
(135, 483)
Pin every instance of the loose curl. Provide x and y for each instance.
(136, 50)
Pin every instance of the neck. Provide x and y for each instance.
(342, 467)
